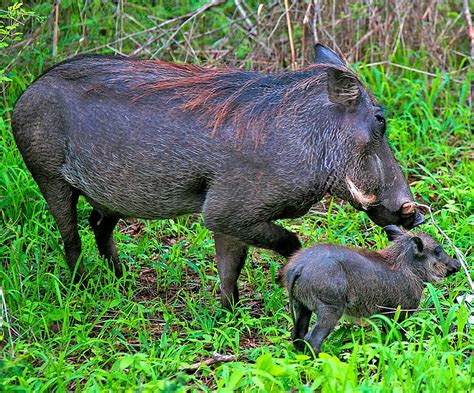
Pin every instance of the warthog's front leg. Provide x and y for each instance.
(231, 254)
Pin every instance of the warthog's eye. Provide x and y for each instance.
(379, 126)
(438, 250)
(380, 119)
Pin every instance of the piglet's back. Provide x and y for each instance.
(325, 255)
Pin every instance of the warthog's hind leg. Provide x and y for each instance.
(62, 202)
(103, 227)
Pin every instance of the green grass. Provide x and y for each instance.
(142, 332)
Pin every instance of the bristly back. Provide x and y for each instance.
(251, 100)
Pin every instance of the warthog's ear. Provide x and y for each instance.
(417, 245)
(322, 54)
(343, 88)
(393, 232)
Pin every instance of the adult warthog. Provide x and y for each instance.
(157, 140)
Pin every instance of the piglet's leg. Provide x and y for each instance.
(328, 316)
(302, 318)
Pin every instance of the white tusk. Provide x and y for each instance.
(364, 200)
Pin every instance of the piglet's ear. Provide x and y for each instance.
(343, 88)
(322, 54)
(417, 245)
(393, 232)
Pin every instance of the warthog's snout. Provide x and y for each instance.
(408, 208)
(411, 217)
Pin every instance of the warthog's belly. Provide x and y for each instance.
(136, 188)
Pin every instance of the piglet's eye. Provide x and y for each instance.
(438, 250)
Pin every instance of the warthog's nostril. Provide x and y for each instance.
(408, 208)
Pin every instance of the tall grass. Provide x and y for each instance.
(142, 332)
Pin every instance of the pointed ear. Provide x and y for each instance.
(393, 232)
(343, 88)
(417, 245)
(322, 54)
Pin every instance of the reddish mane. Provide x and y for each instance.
(248, 98)
(251, 100)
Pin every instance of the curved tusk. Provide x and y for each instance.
(364, 200)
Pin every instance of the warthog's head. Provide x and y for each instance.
(368, 176)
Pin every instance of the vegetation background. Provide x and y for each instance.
(147, 331)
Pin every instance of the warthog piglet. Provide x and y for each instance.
(334, 280)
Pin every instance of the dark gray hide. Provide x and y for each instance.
(334, 280)
(158, 140)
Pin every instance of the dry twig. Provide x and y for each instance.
(216, 358)
(315, 19)
(407, 68)
(56, 28)
(244, 15)
(392, 309)
(294, 65)
(4, 316)
(470, 31)
(193, 15)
